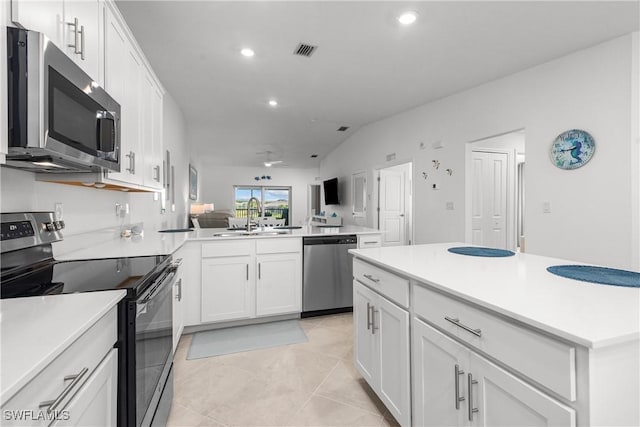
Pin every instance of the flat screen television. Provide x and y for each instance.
(331, 192)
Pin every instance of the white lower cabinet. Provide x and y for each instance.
(278, 287)
(77, 388)
(381, 349)
(454, 386)
(226, 288)
(96, 402)
(248, 278)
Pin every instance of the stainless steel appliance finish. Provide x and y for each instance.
(60, 120)
(145, 316)
(328, 275)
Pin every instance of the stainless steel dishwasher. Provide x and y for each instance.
(328, 275)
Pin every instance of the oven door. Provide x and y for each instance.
(153, 346)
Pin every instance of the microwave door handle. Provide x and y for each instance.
(101, 116)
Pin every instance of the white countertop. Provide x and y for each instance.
(36, 330)
(106, 244)
(519, 287)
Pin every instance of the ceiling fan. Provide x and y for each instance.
(268, 160)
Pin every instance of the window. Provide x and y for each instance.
(275, 201)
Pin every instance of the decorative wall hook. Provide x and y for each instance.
(449, 171)
(436, 164)
(424, 175)
(263, 177)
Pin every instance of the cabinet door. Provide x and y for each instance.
(227, 288)
(439, 389)
(87, 35)
(279, 285)
(365, 349)
(504, 400)
(122, 81)
(391, 326)
(150, 117)
(43, 16)
(95, 404)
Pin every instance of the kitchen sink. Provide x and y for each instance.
(244, 233)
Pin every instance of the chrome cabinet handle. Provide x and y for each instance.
(133, 159)
(456, 321)
(156, 173)
(370, 243)
(373, 319)
(81, 42)
(179, 286)
(130, 156)
(470, 383)
(53, 404)
(368, 316)
(76, 41)
(247, 271)
(259, 270)
(370, 277)
(456, 373)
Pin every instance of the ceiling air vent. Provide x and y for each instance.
(343, 128)
(304, 49)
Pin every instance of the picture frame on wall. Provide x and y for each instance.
(193, 183)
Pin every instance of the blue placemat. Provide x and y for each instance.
(485, 252)
(601, 275)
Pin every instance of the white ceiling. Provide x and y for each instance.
(367, 65)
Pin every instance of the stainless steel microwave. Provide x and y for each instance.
(60, 120)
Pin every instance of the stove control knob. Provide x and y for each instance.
(50, 226)
(57, 225)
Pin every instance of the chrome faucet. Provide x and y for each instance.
(249, 211)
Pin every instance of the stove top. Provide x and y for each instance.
(64, 277)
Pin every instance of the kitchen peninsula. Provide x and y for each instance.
(525, 346)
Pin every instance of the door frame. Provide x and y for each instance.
(409, 205)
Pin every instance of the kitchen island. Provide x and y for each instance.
(494, 340)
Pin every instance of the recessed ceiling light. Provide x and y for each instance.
(247, 52)
(408, 18)
(273, 102)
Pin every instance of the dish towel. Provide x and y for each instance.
(484, 252)
(600, 275)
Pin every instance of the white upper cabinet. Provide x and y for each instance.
(151, 114)
(82, 30)
(74, 26)
(46, 17)
(130, 82)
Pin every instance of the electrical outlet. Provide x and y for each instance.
(449, 206)
(546, 207)
(59, 211)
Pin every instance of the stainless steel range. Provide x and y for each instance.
(145, 350)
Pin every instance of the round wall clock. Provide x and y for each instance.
(572, 149)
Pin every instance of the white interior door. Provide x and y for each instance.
(489, 198)
(393, 209)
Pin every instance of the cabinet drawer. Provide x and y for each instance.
(394, 287)
(228, 248)
(278, 245)
(83, 356)
(545, 360)
(369, 241)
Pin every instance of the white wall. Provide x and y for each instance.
(87, 209)
(592, 217)
(216, 185)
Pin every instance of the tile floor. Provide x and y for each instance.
(308, 384)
